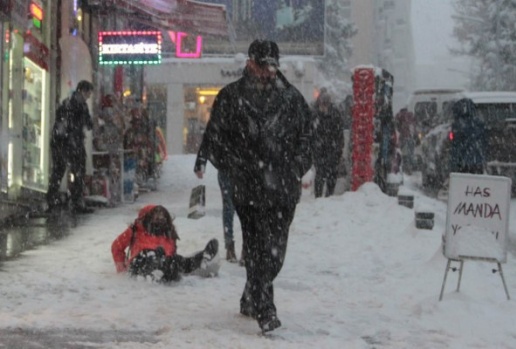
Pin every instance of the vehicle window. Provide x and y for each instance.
(425, 114)
(447, 114)
(495, 114)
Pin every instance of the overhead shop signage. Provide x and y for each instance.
(130, 47)
(36, 51)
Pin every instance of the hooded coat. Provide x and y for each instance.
(469, 143)
(261, 139)
(137, 238)
(328, 137)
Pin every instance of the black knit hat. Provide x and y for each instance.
(264, 52)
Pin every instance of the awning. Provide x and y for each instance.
(179, 15)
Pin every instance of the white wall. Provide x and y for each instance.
(176, 73)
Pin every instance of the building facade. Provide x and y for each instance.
(384, 39)
(182, 91)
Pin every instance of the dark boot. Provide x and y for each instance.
(268, 322)
(230, 253)
(242, 258)
(211, 250)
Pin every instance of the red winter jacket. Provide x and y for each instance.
(142, 241)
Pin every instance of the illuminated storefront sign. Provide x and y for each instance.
(187, 46)
(37, 15)
(36, 51)
(130, 47)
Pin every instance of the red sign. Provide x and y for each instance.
(362, 126)
(34, 50)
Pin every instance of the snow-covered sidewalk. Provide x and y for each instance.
(358, 274)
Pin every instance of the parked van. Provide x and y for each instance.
(498, 111)
(428, 106)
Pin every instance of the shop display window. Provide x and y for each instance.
(32, 140)
(198, 102)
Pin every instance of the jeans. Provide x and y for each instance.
(228, 210)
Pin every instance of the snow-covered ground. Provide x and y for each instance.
(358, 274)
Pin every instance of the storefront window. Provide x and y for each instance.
(198, 103)
(32, 140)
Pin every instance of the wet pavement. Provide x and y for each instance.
(72, 338)
(26, 230)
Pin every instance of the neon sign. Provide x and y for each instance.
(179, 38)
(37, 14)
(130, 47)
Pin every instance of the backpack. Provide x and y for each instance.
(60, 129)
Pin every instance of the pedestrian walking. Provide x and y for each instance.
(67, 148)
(259, 134)
(228, 209)
(405, 123)
(328, 144)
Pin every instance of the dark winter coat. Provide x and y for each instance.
(74, 118)
(260, 139)
(405, 124)
(468, 146)
(328, 137)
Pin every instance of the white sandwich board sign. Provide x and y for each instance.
(477, 219)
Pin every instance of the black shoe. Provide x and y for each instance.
(269, 322)
(230, 253)
(211, 249)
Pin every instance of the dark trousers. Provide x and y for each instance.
(265, 236)
(228, 210)
(62, 155)
(326, 173)
(148, 261)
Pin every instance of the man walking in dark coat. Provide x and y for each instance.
(67, 147)
(259, 134)
(328, 144)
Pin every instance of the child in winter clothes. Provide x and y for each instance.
(152, 251)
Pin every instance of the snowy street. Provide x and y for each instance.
(358, 274)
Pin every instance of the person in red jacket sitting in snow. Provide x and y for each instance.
(152, 251)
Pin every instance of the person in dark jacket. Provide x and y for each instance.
(469, 141)
(328, 144)
(67, 147)
(259, 134)
(405, 123)
(147, 248)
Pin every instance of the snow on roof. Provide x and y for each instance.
(436, 91)
(490, 96)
